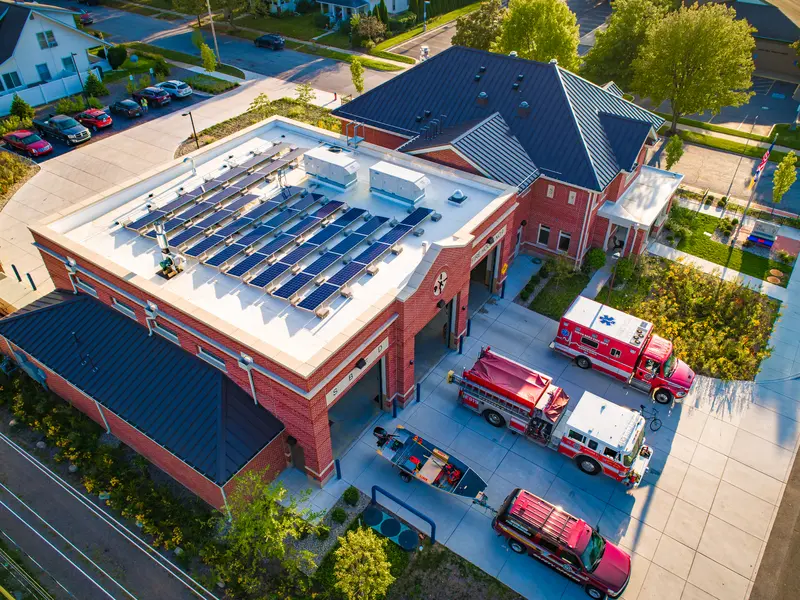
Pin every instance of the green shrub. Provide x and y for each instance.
(95, 87)
(338, 515)
(535, 280)
(95, 103)
(12, 123)
(21, 109)
(734, 221)
(594, 259)
(785, 257)
(670, 237)
(116, 55)
(546, 269)
(13, 169)
(624, 270)
(305, 6)
(402, 22)
(69, 105)
(160, 67)
(323, 532)
(351, 496)
(721, 203)
(525, 294)
(321, 21)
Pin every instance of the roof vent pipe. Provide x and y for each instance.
(553, 61)
(523, 110)
(483, 99)
(482, 69)
(435, 126)
(513, 54)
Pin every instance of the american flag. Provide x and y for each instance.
(763, 163)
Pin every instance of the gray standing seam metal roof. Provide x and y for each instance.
(562, 134)
(184, 404)
(12, 19)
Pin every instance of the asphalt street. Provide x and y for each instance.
(129, 572)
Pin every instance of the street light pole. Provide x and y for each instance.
(213, 32)
(78, 71)
(194, 131)
(425, 15)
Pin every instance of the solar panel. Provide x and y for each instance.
(294, 285)
(214, 218)
(324, 234)
(345, 274)
(228, 175)
(374, 251)
(263, 209)
(281, 218)
(234, 226)
(255, 235)
(417, 217)
(264, 156)
(322, 263)
(246, 264)
(348, 243)
(146, 220)
(304, 203)
(350, 215)
(372, 225)
(276, 245)
(223, 195)
(220, 257)
(318, 296)
(186, 235)
(298, 254)
(241, 202)
(204, 245)
(270, 275)
(246, 182)
(395, 234)
(329, 209)
(302, 226)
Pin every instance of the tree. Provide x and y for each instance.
(540, 30)
(383, 12)
(357, 75)
(615, 49)
(197, 38)
(674, 150)
(230, 8)
(209, 60)
(261, 105)
(362, 571)
(413, 6)
(21, 109)
(95, 87)
(190, 7)
(305, 93)
(116, 56)
(699, 58)
(480, 28)
(784, 177)
(370, 28)
(594, 259)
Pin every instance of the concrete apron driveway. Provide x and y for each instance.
(104, 166)
(696, 527)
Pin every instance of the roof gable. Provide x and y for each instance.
(561, 134)
(176, 399)
(12, 22)
(626, 137)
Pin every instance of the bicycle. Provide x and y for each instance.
(652, 416)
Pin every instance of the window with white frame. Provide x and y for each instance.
(544, 235)
(166, 333)
(46, 39)
(563, 241)
(68, 64)
(85, 286)
(571, 198)
(125, 309)
(551, 191)
(11, 80)
(211, 358)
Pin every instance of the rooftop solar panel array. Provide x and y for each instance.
(250, 217)
(215, 218)
(359, 264)
(295, 256)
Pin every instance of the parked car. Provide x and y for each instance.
(153, 95)
(62, 127)
(569, 545)
(94, 118)
(176, 88)
(86, 18)
(28, 142)
(270, 40)
(126, 107)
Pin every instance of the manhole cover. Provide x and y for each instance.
(408, 540)
(390, 527)
(372, 516)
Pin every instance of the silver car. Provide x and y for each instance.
(176, 88)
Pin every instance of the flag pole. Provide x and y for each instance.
(754, 184)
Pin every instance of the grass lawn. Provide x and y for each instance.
(181, 57)
(212, 85)
(434, 22)
(720, 328)
(699, 244)
(165, 4)
(142, 65)
(729, 146)
(786, 137)
(342, 40)
(139, 10)
(302, 27)
(165, 16)
(376, 65)
(555, 298)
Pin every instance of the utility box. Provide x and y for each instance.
(398, 182)
(332, 165)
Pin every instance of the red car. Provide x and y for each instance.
(86, 18)
(28, 142)
(94, 118)
(567, 544)
(154, 96)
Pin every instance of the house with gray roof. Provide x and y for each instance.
(43, 55)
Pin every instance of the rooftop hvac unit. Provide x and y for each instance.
(399, 183)
(332, 165)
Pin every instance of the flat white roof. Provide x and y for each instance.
(397, 171)
(292, 336)
(644, 200)
(342, 159)
(608, 423)
(606, 320)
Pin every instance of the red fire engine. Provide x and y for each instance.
(623, 346)
(600, 436)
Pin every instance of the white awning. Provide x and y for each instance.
(643, 201)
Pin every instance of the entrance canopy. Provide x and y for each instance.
(348, 3)
(644, 201)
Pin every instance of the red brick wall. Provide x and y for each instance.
(449, 158)
(269, 462)
(376, 136)
(555, 212)
(599, 230)
(787, 245)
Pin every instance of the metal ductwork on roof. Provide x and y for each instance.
(523, 110)
(483, 99)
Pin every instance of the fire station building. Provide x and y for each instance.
(260, 302)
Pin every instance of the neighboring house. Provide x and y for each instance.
(41, 53)
(575, 151)
(342, 10)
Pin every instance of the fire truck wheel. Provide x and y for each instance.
(405, 476)
(588, 465)
(516, 546)
(494, 418)
(593, 592)
(663, 396)
(583, 362)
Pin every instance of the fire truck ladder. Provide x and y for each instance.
(486, 395)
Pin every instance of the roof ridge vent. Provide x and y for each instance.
(483, 99)
(523, 110)
(481, 69)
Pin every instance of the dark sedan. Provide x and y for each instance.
(154, 96)
(270, 40)
(129, 108)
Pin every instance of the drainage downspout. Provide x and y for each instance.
(246, 362)
(581, 243)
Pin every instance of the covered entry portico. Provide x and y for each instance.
(342, 10)
(640, 211)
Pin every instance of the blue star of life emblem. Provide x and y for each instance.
(607, 320)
